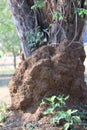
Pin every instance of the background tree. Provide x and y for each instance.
(8, 37)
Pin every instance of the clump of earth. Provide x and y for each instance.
(48, 71)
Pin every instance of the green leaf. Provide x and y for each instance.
(58, 15)
(49, 111)
(33, 6)
(67, 97)
(66, 126)
(2, 117)
(76, 119)
(61, 115)
(42, 103)
(39, 4)
(81, 12)
(53, 120)
(45, 40)
(74, 111)
(4, 106)
(60, 97)
(69, 112)
(51, 99)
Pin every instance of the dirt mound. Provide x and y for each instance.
(49, 71)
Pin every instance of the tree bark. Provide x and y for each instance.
(27, 19)
(24, 20)
(14, 61)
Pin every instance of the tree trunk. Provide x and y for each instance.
(24, 20)
(27, 19)
(14, 62)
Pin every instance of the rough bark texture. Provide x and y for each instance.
(27, 19)
(49, 71)
(23, 19)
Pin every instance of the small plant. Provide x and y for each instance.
(69, 118)
(57, 108)
(55, 103)
(39, 4)
(3, 112)
(35, 40)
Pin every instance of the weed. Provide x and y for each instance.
(68, 117)
(55, 103)
(3, 112)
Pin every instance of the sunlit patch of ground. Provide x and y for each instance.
(5, 96)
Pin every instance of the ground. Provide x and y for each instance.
(6, 72)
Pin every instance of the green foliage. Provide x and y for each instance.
(39, 4)
(57, 108)
(35, 40)
(55, 103)
(58, 16)
(9, 41)
(69, 117)
(81, 12)
(3, 112)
